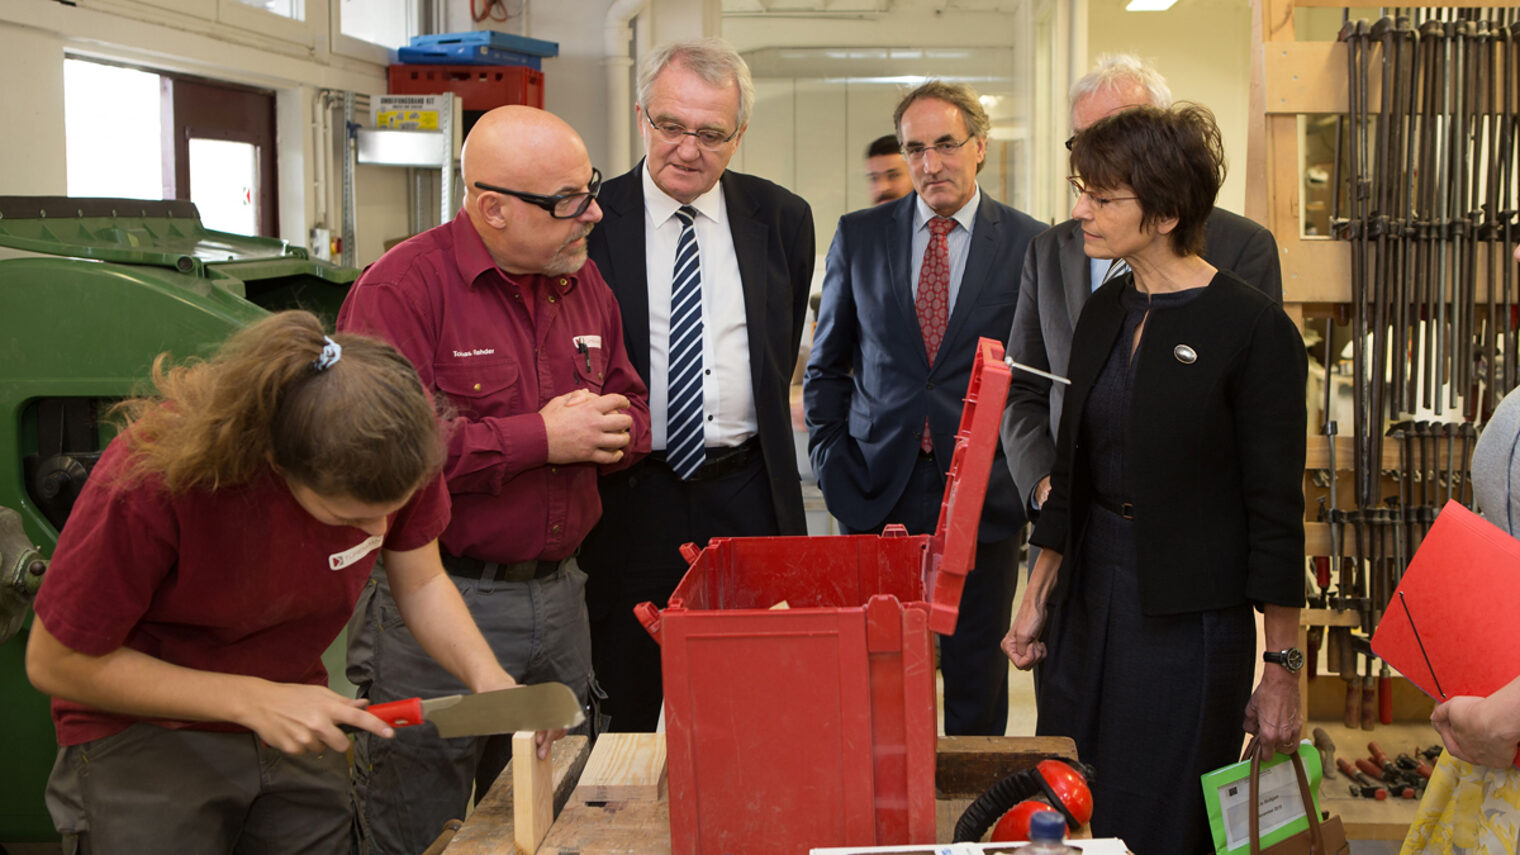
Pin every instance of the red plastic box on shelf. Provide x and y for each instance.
(479, 87)
(813, 723)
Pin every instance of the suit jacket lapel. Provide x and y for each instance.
(622, 206)
(1076, 270)
(750, 239)
(900, 271)
(1105, 323)
(986, 237)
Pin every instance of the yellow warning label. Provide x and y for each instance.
(408, 120)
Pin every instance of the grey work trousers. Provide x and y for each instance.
(409, 786)
(155, 789)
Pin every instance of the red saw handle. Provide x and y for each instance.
(398, 713)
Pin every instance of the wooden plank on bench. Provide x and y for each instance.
(489, 830)
(624, 767)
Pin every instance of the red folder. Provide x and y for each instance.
(1462, 595)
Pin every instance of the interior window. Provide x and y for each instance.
(292, 9)
(113, 127)
(390, 23)
(138, 134)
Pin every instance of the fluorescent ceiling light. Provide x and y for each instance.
(1149, 5)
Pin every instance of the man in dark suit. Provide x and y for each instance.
(910, 286)
(1059, 277)
(711, 269)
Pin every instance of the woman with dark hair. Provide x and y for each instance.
(216, 551)
(1176, 504)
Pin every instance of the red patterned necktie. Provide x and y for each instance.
(933, 300)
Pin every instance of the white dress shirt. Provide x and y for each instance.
(728, 401)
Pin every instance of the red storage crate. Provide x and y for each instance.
(814, 724)
(479, 87)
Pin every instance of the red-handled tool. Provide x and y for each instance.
(1378, 755)
(542, 706)
(1366, 788)
(1386, 775)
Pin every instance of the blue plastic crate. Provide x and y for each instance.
(477, 47)
(466, 55)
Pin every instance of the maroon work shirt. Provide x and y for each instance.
(442, 301)
(240, 580)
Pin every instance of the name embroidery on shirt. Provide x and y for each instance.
(479, 351)
(338, 560)
(588, 340)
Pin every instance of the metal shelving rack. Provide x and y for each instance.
(422, 151)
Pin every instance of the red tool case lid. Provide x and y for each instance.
(952, 549)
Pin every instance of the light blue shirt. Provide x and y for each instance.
(958, 242)
(1098, 270)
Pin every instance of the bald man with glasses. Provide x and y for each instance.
(510, 325)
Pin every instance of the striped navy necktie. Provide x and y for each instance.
(685, 446)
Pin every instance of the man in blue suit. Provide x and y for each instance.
(909, 287)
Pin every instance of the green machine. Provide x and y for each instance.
(91, 290)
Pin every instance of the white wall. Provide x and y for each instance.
(31, 161)
(816, 113)
(1203, 47)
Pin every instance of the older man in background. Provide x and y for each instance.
(1058, 278)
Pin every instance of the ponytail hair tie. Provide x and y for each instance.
(331, 353)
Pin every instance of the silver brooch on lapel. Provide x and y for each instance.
(1186, 355)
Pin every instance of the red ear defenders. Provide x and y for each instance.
(1054, 783)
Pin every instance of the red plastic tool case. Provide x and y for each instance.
(814, 724)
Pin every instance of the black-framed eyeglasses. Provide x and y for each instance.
(1078, 190)
(672, 132)
(561, 206)
(1069, 140)
(914, 152)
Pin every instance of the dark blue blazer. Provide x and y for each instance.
(869, 386)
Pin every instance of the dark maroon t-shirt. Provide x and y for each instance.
(240, 580)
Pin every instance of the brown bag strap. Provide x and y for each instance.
(1316, 834)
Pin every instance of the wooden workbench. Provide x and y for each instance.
(966, 766)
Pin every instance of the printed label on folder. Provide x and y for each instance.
(1280, 804)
